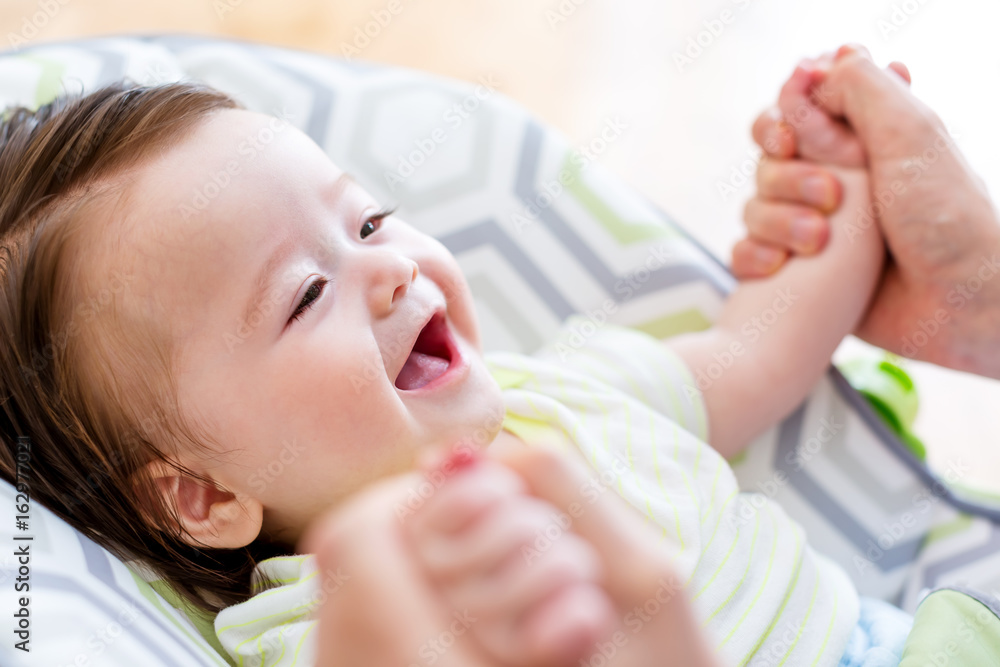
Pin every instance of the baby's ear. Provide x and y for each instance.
(209, 516)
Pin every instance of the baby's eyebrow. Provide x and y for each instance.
(265, 278)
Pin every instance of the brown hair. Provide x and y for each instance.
(95, 404)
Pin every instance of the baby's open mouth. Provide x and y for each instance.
(430, 356)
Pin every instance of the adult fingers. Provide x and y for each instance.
(487, 543)
(445, 503)
(614, 528)
(377, 605)
(558, 632)
(823, 64)
(776, 136)
(799, 228)
(528, 576)
(564, 628)
(638, 567)
(756, 259)
(876, 103)
(902, 70)
(773, 135)
(800, 182)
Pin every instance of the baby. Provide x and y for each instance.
(288, 317)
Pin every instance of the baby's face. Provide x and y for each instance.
(308, 408)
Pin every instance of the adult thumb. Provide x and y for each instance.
(876, 103)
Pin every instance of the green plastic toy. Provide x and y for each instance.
(892, 394)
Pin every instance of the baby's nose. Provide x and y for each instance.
(390, 276)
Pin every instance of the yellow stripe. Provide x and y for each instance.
(697, 460)
(763, 585)
(718, 568)
(721, 513)
(262, 580)
(563, 399)
(299, 647)
(261, 634)
(281, 636)
(604, 433)
(711, 500)
(753, 546)
(635, 475)
(805, 620)
(659, 482)
(261, 588)
(263, 618)
(684, 476)
(640, 395)
(670, 382)
(699, 405)
(557, 417)
(791, 592)
(279, 589)
(541, 414)
(608, 449)
(614, 364)
(634, 379)
(593, 453)
(530, 375)
(552, 419)
(829, 629)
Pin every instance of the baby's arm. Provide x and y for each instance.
(775, 336)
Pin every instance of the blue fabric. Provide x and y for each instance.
(877, 640)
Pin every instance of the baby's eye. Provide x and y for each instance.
(309, 298)
(370, 226)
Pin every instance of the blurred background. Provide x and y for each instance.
(687, 78)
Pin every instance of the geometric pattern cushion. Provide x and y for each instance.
(541, 232)
(85, 606)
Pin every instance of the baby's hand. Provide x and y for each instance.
(817, 136)
(528, 589)
(795, 194)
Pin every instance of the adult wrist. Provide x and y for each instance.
(969, 312)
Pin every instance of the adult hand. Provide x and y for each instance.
(387, 612)
(937, 301)
(477, 537)
(657, 625)
(379, 609)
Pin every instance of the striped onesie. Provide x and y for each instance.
(618, 399)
